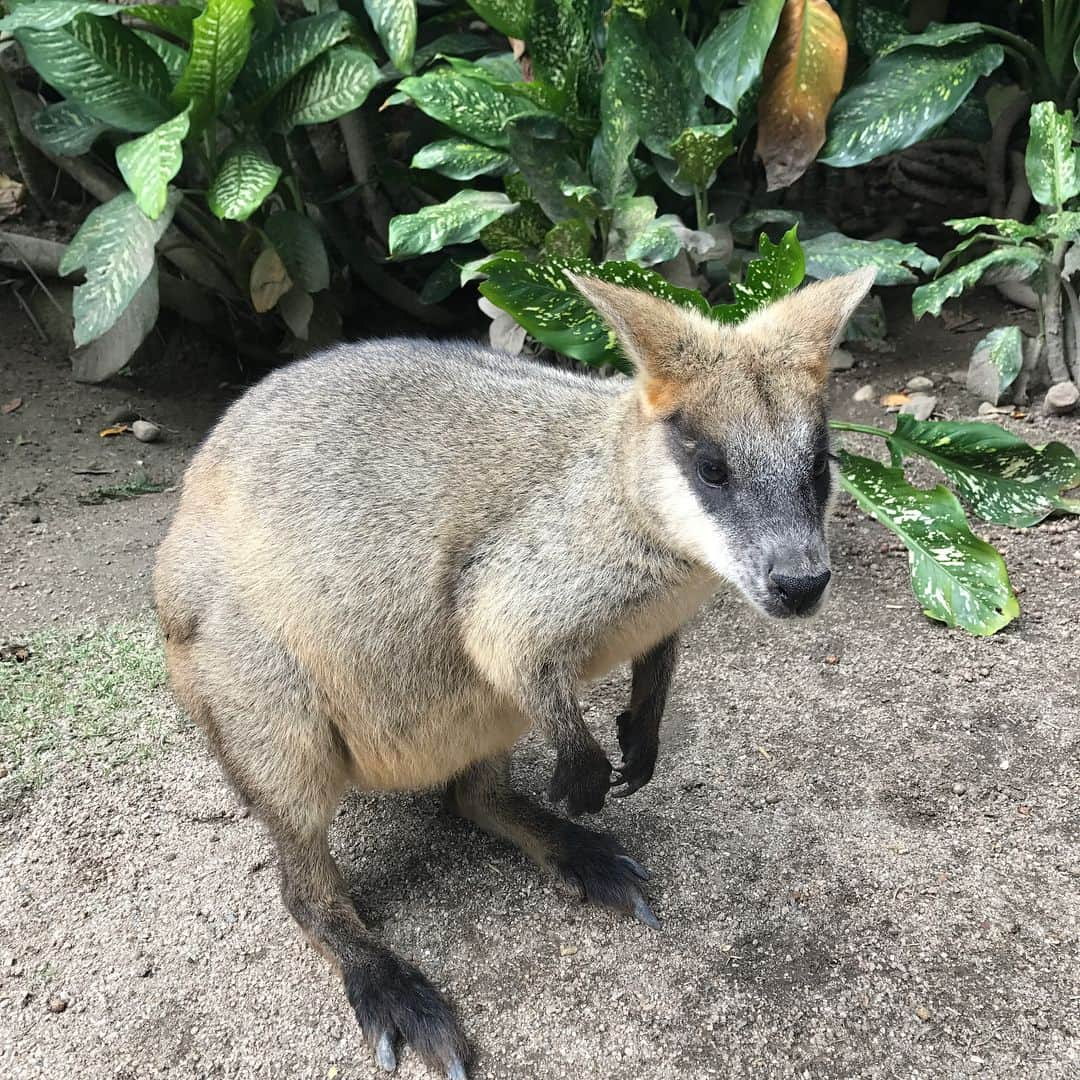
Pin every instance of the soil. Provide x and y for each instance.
(862, 832)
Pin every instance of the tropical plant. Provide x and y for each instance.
(1043, 253)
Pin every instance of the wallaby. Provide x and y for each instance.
(392, 559)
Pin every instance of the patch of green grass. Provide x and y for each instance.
(94, 695)
(139, 483)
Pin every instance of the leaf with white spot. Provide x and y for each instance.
(509, 17)
(901, 98)
(1052, 162)
(220, 39)
(730, 59)
(52, 14)
(935, 36)
(461, 159)
(116, 246)
(1003, 349)
(333, 85)
(1002, 478)
(395, 23)
(1003, 264)
(833, 254)
(459, 220)
(777, 270)
(149, 163)
(246, 177)
(700, 151)
(66, 128)
(959, 579)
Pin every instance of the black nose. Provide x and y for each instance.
(799, 593)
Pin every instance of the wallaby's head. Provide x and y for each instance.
(732, 450)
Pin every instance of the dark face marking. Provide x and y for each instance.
(767, 495)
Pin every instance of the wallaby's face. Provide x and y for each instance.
(735, 460)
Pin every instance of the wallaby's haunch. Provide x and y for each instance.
(391, 560)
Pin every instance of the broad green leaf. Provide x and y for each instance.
(461, 159)
(175, 20)
(454, 44)
(699, 152)
(661, 90)
(172, 56)
(1052, 162)
(104, 68)
(66, 129)
(284, 53)
(901, 98)
(108, 354)
(52, 14)
(542, 300)
(459, 220)
(876, 28)
(509, 17)
(300, 245)
(731, 57)
(220, 39)
(1003, 349)
(569, 239)
(562, 51)
(523, 228)
(149, 163)
(615, 142)
(335, 84)
(116, 246)
(473, 106)
(1007, 227)
(959, 579)
(1003, 479)
(802, 76)
(656, 243)
(778, 269)
(245, 178)
(935, 36)
(475, 268)
(832, 254)
(631, 214)
(547, 166)
(395, 23)
(1003, 264)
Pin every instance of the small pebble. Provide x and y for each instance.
(986, 409)
(920, 382)
(57, 1004)
(959, 788)
(1061, 399)
(921, 406)
(145, 431)
(142, 969)
(567, 950)
(841, 360)
(923, 1013)
(772, 799)
(3, 771)
(865, 393)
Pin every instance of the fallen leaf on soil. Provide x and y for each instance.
(12, 194)
(116, 429)
(10, 406)
(890, 400)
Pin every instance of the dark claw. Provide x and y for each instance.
(643, 913)
(456, 1071)
(384, 1053)
(636, 867)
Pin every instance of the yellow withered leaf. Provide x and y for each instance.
(802, 76)
(270, 280)
(115, 429)
(892, 400)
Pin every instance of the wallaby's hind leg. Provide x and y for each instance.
(594, 863)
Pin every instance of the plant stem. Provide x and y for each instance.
(862, 429)
(701, 206)
(31, 163)
(1044, 77)
(1052, 327)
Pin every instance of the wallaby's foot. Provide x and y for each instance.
(598, 867)
(594, 864)
(582, 778)
(640, 745)
(392, 1001)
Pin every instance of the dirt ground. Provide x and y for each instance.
(863, 832)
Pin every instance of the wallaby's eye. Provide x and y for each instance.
(712, 472)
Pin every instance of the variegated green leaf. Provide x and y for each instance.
(475, 106)
(395, 23)
(1052, 161)
(246, 177)
(67, 129)
(220, 39)
(548, 166)
(1003, 264)
(730, 58)
(281, 55)
(171, 55)
(175, 20)
(149, 163)
(542, 300)
(656, 243)
(901, 98)
(1003, 351)
(777, 270)
(615, 142)
(300, 245)
(1003, 479)
(699, 151)
(563, 53)
(461, 159)
(459, 220)
(454, 44)
(959, 579)
(1010, 228)
(335, 84)
(509, 17)
(833, 254)
(877, 28)
(116, 246)
(52, 14)
(570, 239)
(935, 36)
(104, 68)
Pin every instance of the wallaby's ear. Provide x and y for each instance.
(815, 316)
(648, 329)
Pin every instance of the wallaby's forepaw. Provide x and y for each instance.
(582, 779)
(393, 1000)
(639, 749)
(600, 869)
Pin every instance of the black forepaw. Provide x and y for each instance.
(583, 779)
(392, 1001)
(640, 747)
